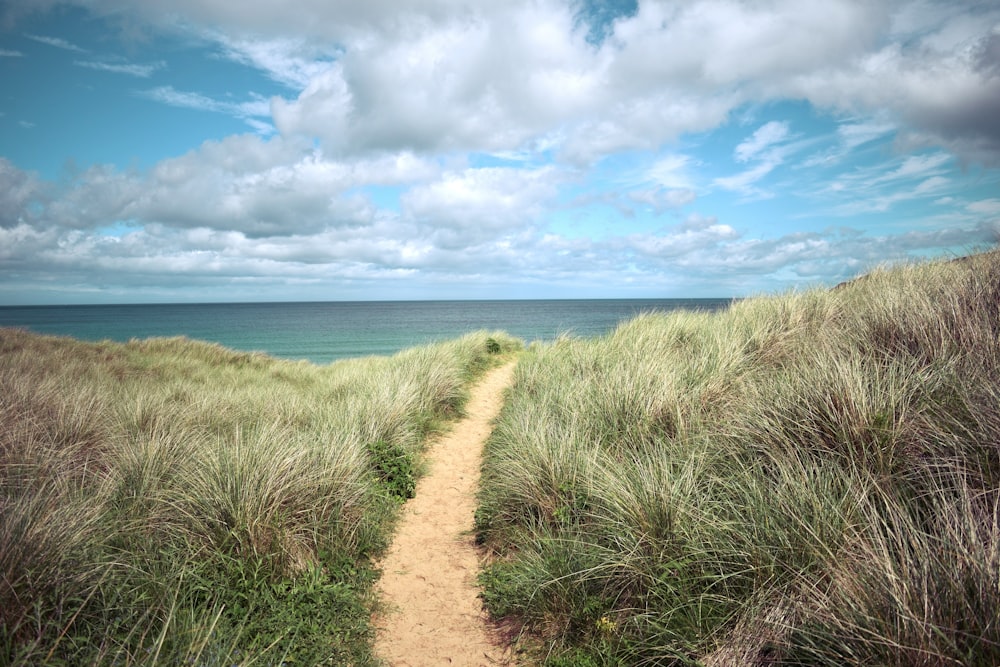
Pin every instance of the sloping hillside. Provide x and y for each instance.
(811, 478)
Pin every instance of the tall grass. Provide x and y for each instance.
(811, 478)
(173, 502)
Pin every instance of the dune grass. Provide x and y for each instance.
(173, 502)
(804, 479)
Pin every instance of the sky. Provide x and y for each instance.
(321, 150)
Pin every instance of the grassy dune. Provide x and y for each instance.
(173, 502)
(807, 479)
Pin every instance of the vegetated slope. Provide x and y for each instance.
(173, 502)
(811, 478)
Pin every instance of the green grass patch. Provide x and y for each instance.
(173, 502)
(810, 478)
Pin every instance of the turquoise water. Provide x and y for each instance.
(324, 332)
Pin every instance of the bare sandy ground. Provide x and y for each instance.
(429, 575)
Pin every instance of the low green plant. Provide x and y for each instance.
(394, 468)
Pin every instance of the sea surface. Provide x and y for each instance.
(326, 331)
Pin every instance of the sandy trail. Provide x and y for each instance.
(429, 575)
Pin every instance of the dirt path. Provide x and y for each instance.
(429, 575)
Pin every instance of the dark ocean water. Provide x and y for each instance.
(326, 331)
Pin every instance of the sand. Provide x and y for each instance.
(434, 615)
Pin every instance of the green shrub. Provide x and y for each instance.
(394, 469)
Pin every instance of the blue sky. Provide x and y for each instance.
(205, 150)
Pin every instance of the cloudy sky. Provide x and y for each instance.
(210, 150)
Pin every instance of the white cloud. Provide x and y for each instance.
(768, 146)
(250, 111)
(494, 79)
(881, 177)
(987, 206)
(850, 136)
(745, 181)
(671, 171)
(402, 104)
(468, 207)
(730, 259)
(246, 184)
(321, 110)
(880, 202)
(191, 100)
(57, 42)
(131, 69)
(473, 82)
(9, 53)
(661, 199)
(275, 213)
(695, 234)
(856, 134)
(294, 62)
(708, 45)
(276, 189)
(774, 132)
(450, 75)
(916, 166)
(944, 89)
(644, 123)
(21, 193)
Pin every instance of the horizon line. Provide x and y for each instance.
(360, 301)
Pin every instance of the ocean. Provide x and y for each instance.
(322, 332)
